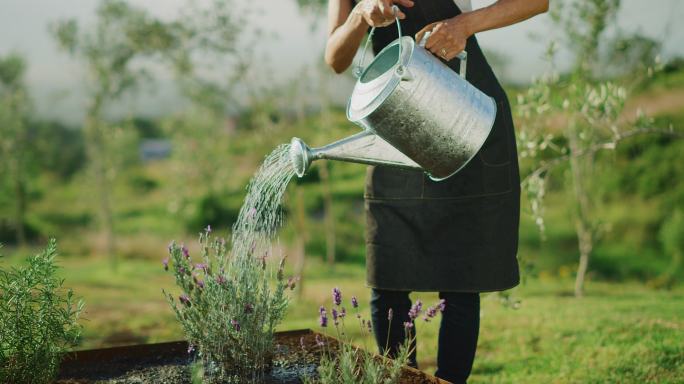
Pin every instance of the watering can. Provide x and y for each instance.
(416, 113)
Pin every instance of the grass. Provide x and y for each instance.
(620, 332)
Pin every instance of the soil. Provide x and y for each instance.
(170, 363)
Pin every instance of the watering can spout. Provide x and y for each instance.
(363, 147)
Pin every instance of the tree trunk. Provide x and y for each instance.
(20, 206)
(585, 238)
(328, 214)
(96, 149)
(300, 239)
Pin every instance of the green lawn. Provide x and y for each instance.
(625, 332)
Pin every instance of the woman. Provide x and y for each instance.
(457, 237)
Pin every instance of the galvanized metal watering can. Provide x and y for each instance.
(416, 113)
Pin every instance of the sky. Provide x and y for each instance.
(56, 81)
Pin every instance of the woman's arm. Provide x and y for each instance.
(347, 26)
(448, 37)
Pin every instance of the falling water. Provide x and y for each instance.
(261, 215)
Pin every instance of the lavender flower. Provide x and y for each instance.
(390, 314)
(415, 310)
(323, 317)
(201, 266)
(431, 312)
(191, 348)
(337, 296)
(236, 325)
(181, 270)
(220, 279)
(165, 262)
(184, 299)
(319, 341)
(408, 325)
(442, 305)
(292, 283)
(334, 316)
(185, 251)
(355, 302)
(249, 308)
(343, 313)
(200, 284)
(208, 229)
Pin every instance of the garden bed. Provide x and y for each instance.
(171, 363)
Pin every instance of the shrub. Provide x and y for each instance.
(38, 320)
(350, 364)
(228, 308)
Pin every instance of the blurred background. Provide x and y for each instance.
(127, 124)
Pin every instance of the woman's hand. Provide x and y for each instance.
(448, 37)
(379, 13)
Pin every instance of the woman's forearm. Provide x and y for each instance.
(502, 13)
(344, 40)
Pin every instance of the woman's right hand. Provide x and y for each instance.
(379, 13)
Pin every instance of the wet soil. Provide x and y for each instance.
(170, 363)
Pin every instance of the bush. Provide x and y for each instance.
(38, 320)
(228, 308)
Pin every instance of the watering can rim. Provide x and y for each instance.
(388, 80)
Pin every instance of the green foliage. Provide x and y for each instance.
(38, 320)
(227, 308)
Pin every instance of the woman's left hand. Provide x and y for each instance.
(447, 39)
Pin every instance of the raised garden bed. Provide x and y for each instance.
(171, 363)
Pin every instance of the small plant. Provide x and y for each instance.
(38, 320)
(228, 308)
(352, 365)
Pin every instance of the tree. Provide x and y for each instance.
(570, 119)
(110, 50)
(14, 140)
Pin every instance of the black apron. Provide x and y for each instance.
(460, 234)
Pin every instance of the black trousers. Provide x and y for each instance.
(458, 331)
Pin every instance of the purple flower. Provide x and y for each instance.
(191, 348)
(185, 251)
(430, 313)
(408, 324)
(355, 302)
(236, 325)
(319, 341)
(208, 229)
(415, 310)
(337, 296)
(249, 308)
(166, 263)
(184, 299)
(291, 283)
(220, 279)
(181, 270)
(334, 316)
(390, 314)
(323, 317)
(343, 313)
(201, 266)
(200, 283)
(442, 305)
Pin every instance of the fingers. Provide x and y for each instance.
(385, 7)
(429, 27)
(405, 3)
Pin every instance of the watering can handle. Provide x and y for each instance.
(462, 57)
(358, 71)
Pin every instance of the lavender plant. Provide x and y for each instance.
(350, 364)
(228, 307)
(38, 320)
